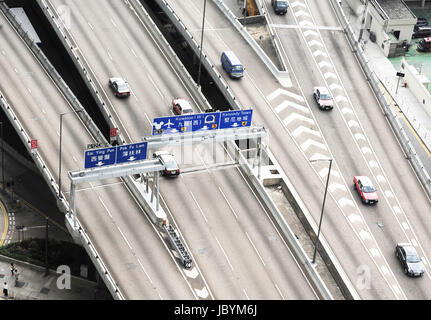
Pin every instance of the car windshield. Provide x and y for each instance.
(187, 111)
(325, 96)
(237, 68)
(368, 189)
(413, 258)
(281, 3)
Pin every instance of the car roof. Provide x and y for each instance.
(364, 180)
(184, 103)
(408, 248)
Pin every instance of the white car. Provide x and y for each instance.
(120, 87)
(181, 106)
(171, 166)
(323, 98)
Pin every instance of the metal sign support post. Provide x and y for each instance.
(259, 154)
(73, 202)
(157, 189)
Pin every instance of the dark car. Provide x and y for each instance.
(422, 22)
(409, 259)
(171, 166)
(280, 6)
(120, 87)
(365, 189)
(421, 32)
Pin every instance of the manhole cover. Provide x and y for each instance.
(19, 284)
(44, 290)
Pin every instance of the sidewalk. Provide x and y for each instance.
(386, 72)
(34, 285)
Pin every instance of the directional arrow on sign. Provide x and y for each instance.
(100, 163)
(132, 158)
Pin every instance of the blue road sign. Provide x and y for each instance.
(202, 121)
(186, 123)
(235, 119)
(100, 157)
(131, 152)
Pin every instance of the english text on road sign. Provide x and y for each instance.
(100, 157)
(131, 152)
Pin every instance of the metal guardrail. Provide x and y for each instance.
(388, 111)
(62, 203)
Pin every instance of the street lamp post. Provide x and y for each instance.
(323, 205)
(202, 43)
(59, 156)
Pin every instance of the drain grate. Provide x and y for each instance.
(19, 284)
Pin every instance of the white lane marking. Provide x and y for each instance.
(295, 116)
(353, 123)
(297, 3)
(228, 203)
(134, 53)
(311, 142)
(287, 103)
(16, 70)
(359, 136)
(73, 157)
(279, 291)
(109, 55)
(340, 97)
(193, 273)
(124, 238)
(306, 23)
(29, 91)
(106, 208)
(255, 249)
(315, 43)
(302, 13)
(414, 242)
(334, 86)
(200, 209)
(280, 91)
(310, 33)
(347, 110)
(389, 194)
(142, 266)
(319, 53)
(373, 164)
(366, 150)
(301, 129)
(385, 270)
(334, 186)
(380, 178)
(203, 293)
(405, 225)
(365, 235)
(345, 202)
(396, 289)
(91, 26)
(43, 110)
(113, 22)
(155, 86)
(3, 52)
(374, 252)
(224, 253)
(323, 64)
(355, 218)
(160, 296)
(245, 294)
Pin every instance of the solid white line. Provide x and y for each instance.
(91, 26)
(142, 266)
(233, 211)
(134, 53)
(218, 242)
(255, 249)
(200, 209)
(245, 294)
(154, 84)
(279, 292)
(112, 20)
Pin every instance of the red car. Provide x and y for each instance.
(365, 189)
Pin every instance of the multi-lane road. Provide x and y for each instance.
(355, 134)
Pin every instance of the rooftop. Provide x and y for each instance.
(394, 9)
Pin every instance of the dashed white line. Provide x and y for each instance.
(124, 238)
(200, 209)
(245, 292)
(255, 249)
(142, 266)
(236, 216)
(279, 291)
(224, 253)
(91, 26)
(154, 84)
(134, 53)
(106, 208)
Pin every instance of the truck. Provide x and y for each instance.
(280, 6)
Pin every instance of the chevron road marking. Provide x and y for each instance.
(373, 164)
(396, 209)
(302, 13)
(345, 202)
(353, 123)
(347, 110)
(335, 86)
(295, 116)
(314, 43)
(355, 218)
(193, 273)
(366, 150)
(297, 3)
(364, 234)
(359, 136)
(328, 75)
(305, 23)
(324, 172)
(287, 103)
(341, 98)
(334, 186)
(310, 32)
(301, 129)
(310, 142)
(203, 293)
(319, 53)
(374, 252)
(279, 91)
(381, 178)
(324, 64)
(389, 194)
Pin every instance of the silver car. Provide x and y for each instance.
(120, 87)
(171, 166)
